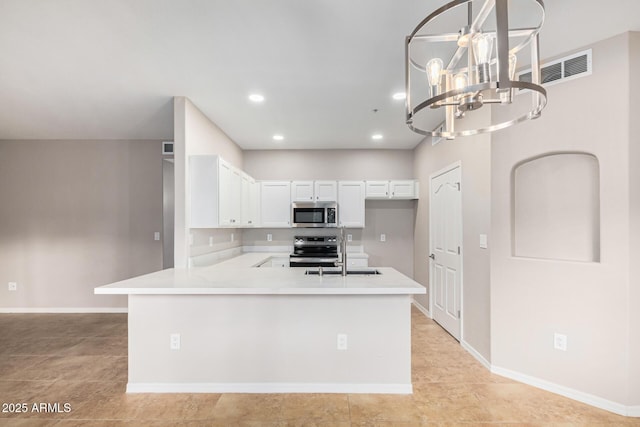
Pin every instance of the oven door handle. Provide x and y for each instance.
(297, 260)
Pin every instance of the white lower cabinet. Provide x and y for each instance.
(351, 204)
(275, 204)
(280, 262)
(357, 262)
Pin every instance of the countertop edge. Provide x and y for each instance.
(259, 291)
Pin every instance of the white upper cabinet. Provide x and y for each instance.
(351, 204)
(275, 204)
(377, 189)
(250, 202)
(230, 207)
(326, 191)
(220, 194)
(394, 189)
(302, 191)
(405, 189)
(254, 205)
(314, 191)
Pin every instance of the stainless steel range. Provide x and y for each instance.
(314, 251)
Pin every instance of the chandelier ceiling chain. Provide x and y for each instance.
(480, 67)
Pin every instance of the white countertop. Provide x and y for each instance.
(239, 276)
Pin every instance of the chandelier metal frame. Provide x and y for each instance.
(482, 89)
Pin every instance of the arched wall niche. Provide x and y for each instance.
(555, 207)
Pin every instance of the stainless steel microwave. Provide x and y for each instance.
(314, 214)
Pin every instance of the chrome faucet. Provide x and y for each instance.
(343, 250)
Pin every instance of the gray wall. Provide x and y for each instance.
(634, 215)
(393, 218)
(329, 164)
(473, 153)
(75, 215)
(531, 299)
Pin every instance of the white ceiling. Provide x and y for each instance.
(108, 69)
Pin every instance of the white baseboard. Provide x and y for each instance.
(479, 357)
(63, 309)
(268, 388)
(422, 309)
(589, 399)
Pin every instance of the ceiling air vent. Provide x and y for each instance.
(563, 69)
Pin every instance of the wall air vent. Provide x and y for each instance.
(563, 69)
(167, 148)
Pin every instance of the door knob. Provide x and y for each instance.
(432, 256)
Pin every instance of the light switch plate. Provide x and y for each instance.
(342, 342)
(156, 235)
(13, 286)
(383, 237)
(483, 241)
(174, 341)
(349, 237)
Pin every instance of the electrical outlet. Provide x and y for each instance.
(13, 286)
(349, 237)
(174, 341)
(560, 342)
(269, 237)
(156, 235)
(342, 342)
(383, 237)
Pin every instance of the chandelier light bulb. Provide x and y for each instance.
(507, 97)
(434, 70)
(482, 47)
(513, 60)
(460, 81)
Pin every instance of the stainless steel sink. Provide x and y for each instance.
(368, 272)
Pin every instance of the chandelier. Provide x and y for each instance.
(473, 65)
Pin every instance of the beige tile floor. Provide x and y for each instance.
(81, 359)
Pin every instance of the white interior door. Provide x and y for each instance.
(445, 230)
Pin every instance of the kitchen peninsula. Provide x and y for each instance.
(234, 327)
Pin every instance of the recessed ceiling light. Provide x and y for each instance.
(278, 137)
(376, 136)
(256, 97)
(400, 95)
